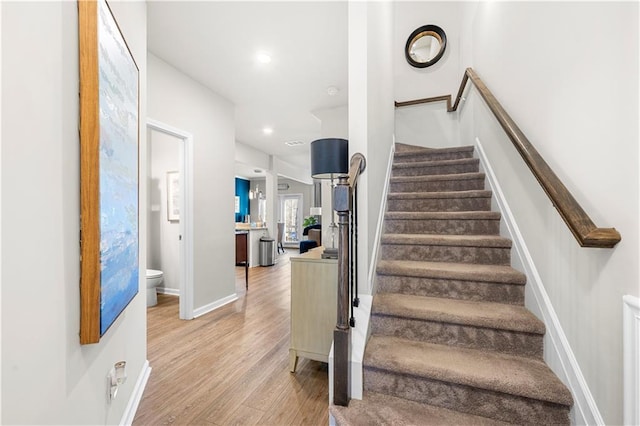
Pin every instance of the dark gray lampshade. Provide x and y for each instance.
(329, 158)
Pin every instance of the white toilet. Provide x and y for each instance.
(154, 279)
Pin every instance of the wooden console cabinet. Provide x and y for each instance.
(314, 296)
(242, 254)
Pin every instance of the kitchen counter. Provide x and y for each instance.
(253, 242)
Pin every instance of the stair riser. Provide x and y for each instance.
(436, 169)
(457, 254)
(431, 156)
(504, 341)
(452, 289)
(467, 399)
(439, 205)
(437, 185)
(444, 226)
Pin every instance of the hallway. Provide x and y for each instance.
(230, 367)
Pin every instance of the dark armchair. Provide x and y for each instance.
(314, 234)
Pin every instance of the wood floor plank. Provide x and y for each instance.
(230, 367)
(244, 415)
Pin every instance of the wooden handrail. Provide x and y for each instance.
(427, 100)
(578, 221)
(357, 164)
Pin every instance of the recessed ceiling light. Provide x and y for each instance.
(263, 57)
(267, 130)
(332, 90)
(294, 143)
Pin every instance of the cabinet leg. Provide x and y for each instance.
(293, 360)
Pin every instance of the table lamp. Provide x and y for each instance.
(330, 159)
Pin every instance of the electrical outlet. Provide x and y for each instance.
(116, 377)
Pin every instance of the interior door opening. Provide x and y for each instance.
(291, 215)
(170, 210)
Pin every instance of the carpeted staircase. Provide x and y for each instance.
(451, 342)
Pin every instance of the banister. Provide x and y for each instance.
(357, 165)
(343, 202)
(427, 100)
(578, 221)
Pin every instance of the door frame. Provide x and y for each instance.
(186, 212)
(299, 218)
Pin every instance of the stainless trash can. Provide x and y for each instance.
(267, 249)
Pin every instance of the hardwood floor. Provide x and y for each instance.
(230, 367)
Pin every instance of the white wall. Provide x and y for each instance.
(371, 112)
(442, 78)
(250, 156)
(179, 101)
(291, 171)
(334, 122)
(580, 110)
(163, 248)
(428, 124)
(47, 376)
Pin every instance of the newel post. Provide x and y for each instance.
(342, 332)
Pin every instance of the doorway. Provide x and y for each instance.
(291, 215)
(179, 219)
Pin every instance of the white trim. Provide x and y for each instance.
(1, 210)
(631, 357)
(359, 334)
(558, 353)
(332, 420)
(136, 395)
(198, 312)
(186, 213)
(170, 291)
(383, 209)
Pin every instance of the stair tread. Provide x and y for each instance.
(481, 214)
(378, 409)
(514, 375)
(475, 193)
(445, 177)
(455, 311)
(447, 270)
(409, 150)
(435, 163)
(400, 147)
(464, 240)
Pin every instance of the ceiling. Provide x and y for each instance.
(216, 44)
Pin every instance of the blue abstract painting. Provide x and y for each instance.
(118, 104)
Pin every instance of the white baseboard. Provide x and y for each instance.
(136, 395)
(214, 305)
(558, 353)
(332, 420)
(170, 291)
(631, 357)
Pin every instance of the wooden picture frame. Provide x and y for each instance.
(173, 196)
(109, 205)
